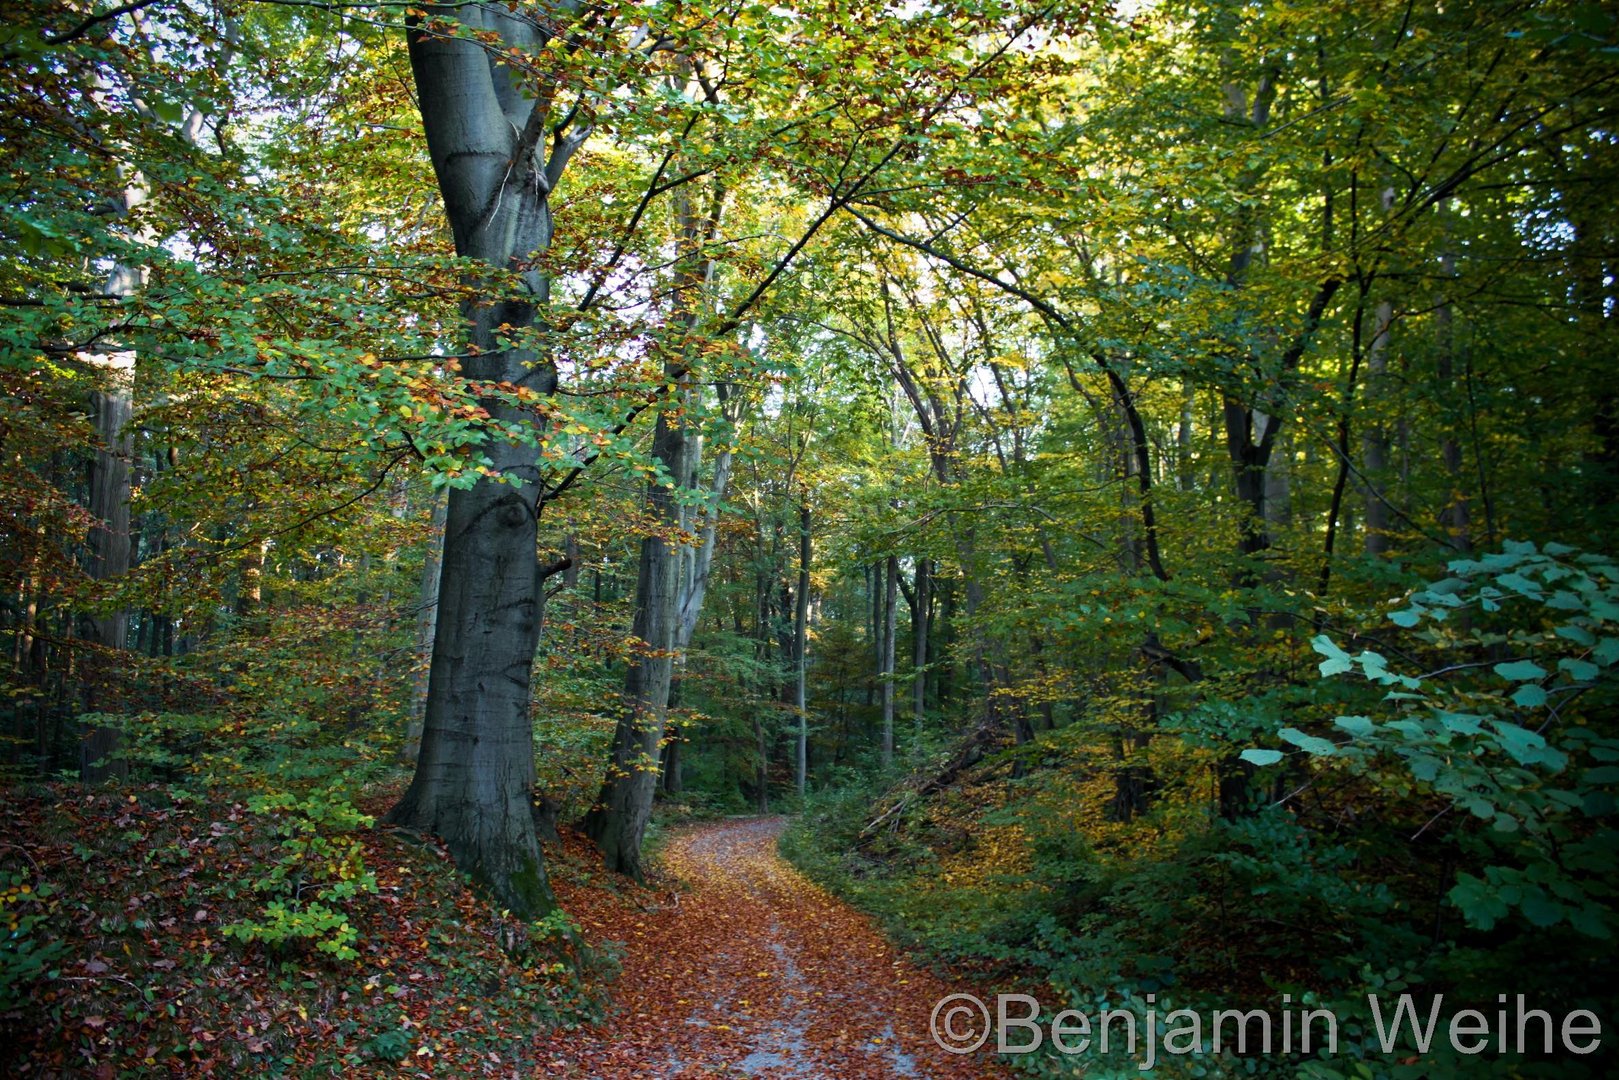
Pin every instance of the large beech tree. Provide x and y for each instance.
(498, 153)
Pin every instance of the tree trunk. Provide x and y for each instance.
(875, 626)
(801, 647)
(693, 588)
(474, 780)
(674, 765)
(1279, 484)
(1183, 437)
(1374, 444)
(890, 632)
(250, 586)
(761, 776)
(1455, 517)
(921, 624)
(617, 823)
(112, 407)
(671, 582)
(426, 621)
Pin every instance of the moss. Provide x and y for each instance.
(525, 892)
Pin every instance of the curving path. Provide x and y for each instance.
(748, 969)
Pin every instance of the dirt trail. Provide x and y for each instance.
(751, 970)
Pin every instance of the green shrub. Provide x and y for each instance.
(320, 869)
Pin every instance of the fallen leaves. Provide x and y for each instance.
(825, 996)
(733, 963)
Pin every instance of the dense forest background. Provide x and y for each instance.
(1138, 484)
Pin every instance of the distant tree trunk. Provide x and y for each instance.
(617, 823)
(761, 776)
(474, 780)
(546, 810)
(1374, 442)
(694, 587)
(250, 586)
(570, 549)
(801, 646)
(1183, 436)
(921, 622)
(112, 407)
(1455, 517)
(1279, 485)
(1250, 432)
(426, 620)
(944, 682)
(1591, 257)
(890, 632)
(669, 586)
(674, 763)
(874, 626)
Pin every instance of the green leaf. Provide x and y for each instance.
(1479, 901)
(1589, 921)
(1424, 767)
(1598, 804)
(1579, 670)
(1529, 696)
(1373, 664)
(1540, 909)
(1407, 618)
(1526, 747)
(1461, 723)
(1358, 726)
(170, 112)
(1261, 757)
(1520, 584)
(1520, 670)
(1579, 635)
(1337, 661)
(1308, 743)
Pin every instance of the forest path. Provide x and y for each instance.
(749, 969)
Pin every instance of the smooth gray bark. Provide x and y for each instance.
(474, 780)
(112, 407)
(670, 585)
(801, 646)
(1374, 445)
(890, 631)
(695, 568)
(1457, 514)
(618, 822)
(426, 619)
(920, 625)
(1183, 436)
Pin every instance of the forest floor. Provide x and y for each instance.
(741, 966)
(117, 959)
